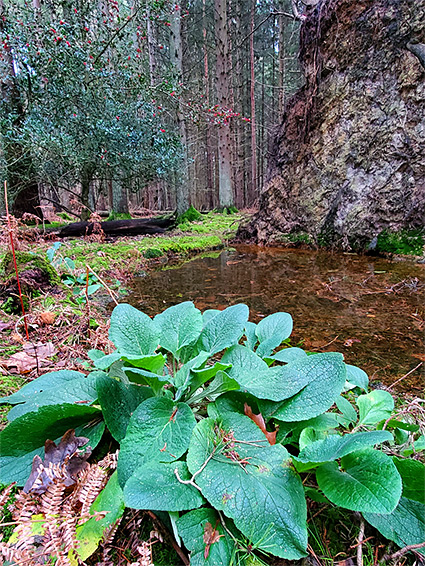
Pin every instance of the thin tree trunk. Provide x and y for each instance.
(281, 89)
(182, 189)
(208, 137)
(253, 118)
(225, 190)
(151, 35)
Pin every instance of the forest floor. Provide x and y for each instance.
(68, 320)
(65, 322)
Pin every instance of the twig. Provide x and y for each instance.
(12, 245)
(201, 469)
(360, 544)
(401, 552)
(404, 376)
(111, 293)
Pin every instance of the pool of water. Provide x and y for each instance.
(370, 309)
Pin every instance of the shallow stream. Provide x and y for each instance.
(370, 309)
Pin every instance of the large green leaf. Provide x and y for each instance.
(24, 437)
(413, 476)
(52, 389)
(369, 482)
(252, 482)
(91, 533)
(335, 446)
(221, 384)
(357, 377)
(323, 377)
(288, 355)
(405, 525)
(154, 362)
(254, 375)
(272, 331)
(119, 401)
(158, 431)
(132, 331)
(193, 526)
(374, 407)
(180, 325)
(224, 329)
(155, 487)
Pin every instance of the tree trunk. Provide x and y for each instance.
(85, 195)
(253, 119)
(23, 190)
(225, 191)
(182, 189)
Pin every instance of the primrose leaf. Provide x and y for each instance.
(159, 431)
(347, 410)
(155, 487)
(224, 329)
(370, 482)
(357, 377)
(25, 436)
(288, 355)
(335, 446)
(272, 331)
(50, 389)
(413, 476)
(221, 384)
(322, 379)
(154, 363)
(180, 325)
(104, 362)
(251, 336)
(252, 482)
(132, 331)
(193, 528)
(253, 374)
(405, 525)
(91, 533)
(119, 401)
(375, 407)
(208, 314)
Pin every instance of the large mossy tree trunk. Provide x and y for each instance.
(348, 160)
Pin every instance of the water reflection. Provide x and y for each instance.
(370, 309)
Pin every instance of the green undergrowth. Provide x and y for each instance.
(297, 238)
(8, 385)
(213, 222)
(119, 216)
(405, 242)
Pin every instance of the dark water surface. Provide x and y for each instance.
(370, 309)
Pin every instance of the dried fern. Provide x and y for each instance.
(53, 503)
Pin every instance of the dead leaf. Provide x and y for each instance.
(350, 341)
(5, 325)
(259, 421)
(64, 454)
(47, 317)
(32, 356)
(210, 537)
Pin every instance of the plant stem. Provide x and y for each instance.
(360, 543)
(12, 245)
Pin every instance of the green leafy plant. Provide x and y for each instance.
(227, 433)
(83, 285)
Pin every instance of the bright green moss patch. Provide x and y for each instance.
(408, 242)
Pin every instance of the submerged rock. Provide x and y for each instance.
(348, 160)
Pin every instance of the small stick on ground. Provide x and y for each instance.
(401, 552)
(360, 544)
(111, 293)
(404, 376)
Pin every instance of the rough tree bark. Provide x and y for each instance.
(349, 158)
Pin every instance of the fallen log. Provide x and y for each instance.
(133, 227)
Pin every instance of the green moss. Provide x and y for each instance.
(152, 253)
(8, 385)
(28, 260)
(66, 217)
(119, 216)
(191, 215)
(408, 242)
(297, 238)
